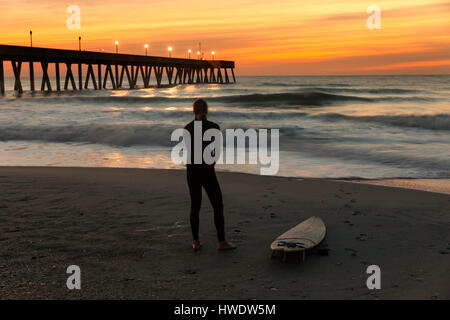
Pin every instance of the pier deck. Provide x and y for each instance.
(108, 70)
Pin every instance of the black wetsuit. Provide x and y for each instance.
(204, 175)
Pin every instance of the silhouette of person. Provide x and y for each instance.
(204, 175)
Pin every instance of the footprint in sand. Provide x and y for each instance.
(362, 237)
(352, 252)
(26, 199)
(385, 215)
(238, 235)
(190, 271)
(343, 191)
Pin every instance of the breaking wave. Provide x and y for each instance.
(431, 122)
(107, 134)
(313, 98)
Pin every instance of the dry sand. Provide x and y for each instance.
(128, 230)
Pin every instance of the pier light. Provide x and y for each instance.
(170, 51)
(117, 46)
(31, 38)
(146, 48)
(189, 51)
(212, 54)
(198, 55)
(79, 43)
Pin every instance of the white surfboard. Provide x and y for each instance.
(300, 238)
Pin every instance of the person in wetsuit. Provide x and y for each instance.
(204, 175)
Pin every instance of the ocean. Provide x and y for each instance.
(383, 128)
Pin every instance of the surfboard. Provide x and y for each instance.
(304, 236)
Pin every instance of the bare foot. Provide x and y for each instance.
(224, 245)
(196, 245)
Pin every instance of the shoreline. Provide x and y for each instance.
(441, 186)
(436, 185)
(128, 230)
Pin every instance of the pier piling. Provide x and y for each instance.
(58, 80)
(32, 76)
(2, 79)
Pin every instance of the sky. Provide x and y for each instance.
(276, 37)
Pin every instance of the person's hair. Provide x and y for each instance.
(200, 107)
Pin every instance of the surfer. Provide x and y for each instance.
(204, 175)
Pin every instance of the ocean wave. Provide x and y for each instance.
(219, 115)
(431, 122)
(345, 88)
(396, 91)
(157, 134)
(361, 154)
(302, 85)
(123, 135)
(81, 100)
(293, 138)
(307, 98)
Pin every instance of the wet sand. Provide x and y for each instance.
(128, 230)
(432, 185)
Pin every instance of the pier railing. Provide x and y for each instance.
(108, 70)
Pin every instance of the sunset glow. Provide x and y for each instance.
(264, 37)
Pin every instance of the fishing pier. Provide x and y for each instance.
(101, 70)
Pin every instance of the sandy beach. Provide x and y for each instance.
(128, 230)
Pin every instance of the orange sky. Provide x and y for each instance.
(276, 37)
